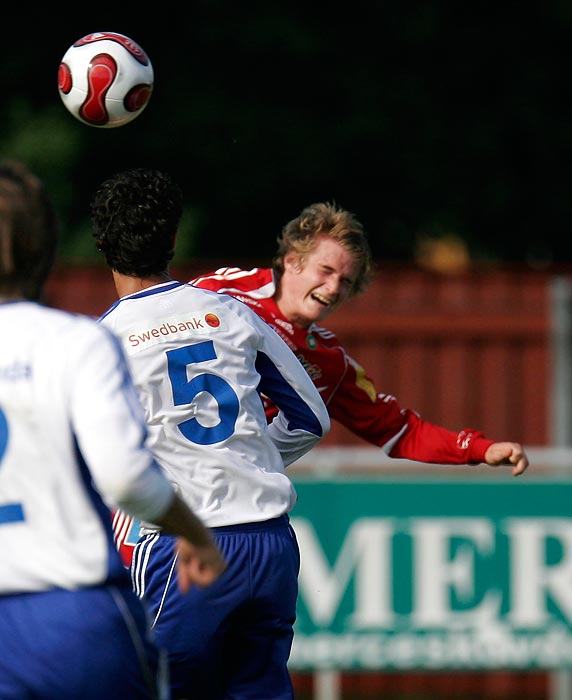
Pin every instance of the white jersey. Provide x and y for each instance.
(199, 360)
(72, 436)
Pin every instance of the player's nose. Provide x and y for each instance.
(332, 286)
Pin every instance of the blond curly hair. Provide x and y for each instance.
(301, 235)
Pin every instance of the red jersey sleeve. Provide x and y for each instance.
(380, 420)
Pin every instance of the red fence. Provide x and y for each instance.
(470, 350)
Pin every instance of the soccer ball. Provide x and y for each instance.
(105, 79)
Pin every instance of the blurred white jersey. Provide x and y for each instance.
(72, 437)
(199, 360)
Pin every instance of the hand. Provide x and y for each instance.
(198, 565)
(501, 453)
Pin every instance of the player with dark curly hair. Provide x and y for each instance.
(199, 360)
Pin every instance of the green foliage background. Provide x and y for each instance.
(424, 118)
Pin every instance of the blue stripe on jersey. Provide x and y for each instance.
(272, 384)
(11, 513)
(115, 569)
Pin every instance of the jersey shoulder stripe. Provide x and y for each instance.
(324, 333)
(257, 283)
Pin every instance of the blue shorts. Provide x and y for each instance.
(89, 643)
(232, 639)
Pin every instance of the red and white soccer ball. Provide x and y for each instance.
(105, 79)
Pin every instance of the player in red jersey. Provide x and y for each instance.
(323, 259)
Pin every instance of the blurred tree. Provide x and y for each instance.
(417, 116)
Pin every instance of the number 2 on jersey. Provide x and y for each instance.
(11, 512)
(185, 391)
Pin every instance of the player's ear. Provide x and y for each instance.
(293, 261)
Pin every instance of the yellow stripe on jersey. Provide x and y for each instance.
(362, 381)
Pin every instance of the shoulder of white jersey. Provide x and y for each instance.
(92, 333)
(77, 332)
(109, 310)
(66, 320)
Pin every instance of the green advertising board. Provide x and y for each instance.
(434, 574)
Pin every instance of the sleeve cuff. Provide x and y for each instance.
(477, 449)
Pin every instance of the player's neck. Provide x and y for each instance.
(125, 284)
(288, 309)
